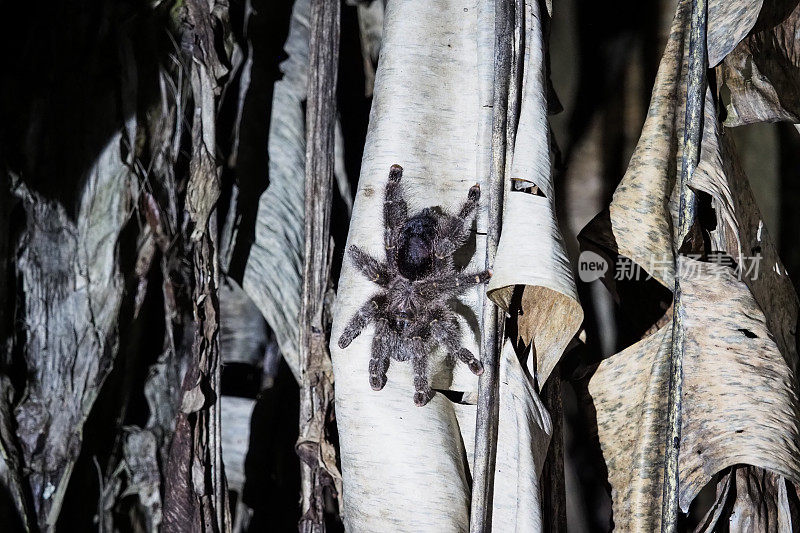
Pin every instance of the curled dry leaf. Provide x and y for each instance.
(759, 81)
(275, 264)
(741, 345)
(728, 23)
(273, 273)
(193, 399)
(740, 494)
(195, 495)
(531, 252)
(740, 405)
(406, 466)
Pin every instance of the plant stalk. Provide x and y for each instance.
(317, 455)
(692, 138)
(493, 321)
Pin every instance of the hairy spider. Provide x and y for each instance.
(418, 279)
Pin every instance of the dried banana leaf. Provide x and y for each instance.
(740, 382)
(728, 23)
(531, 253)
(73, 291)
(274, 266)
(272, 276)
(759, 81)
(741, 503)
(407, 467)
(740, 402)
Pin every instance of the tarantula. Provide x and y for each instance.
(418, 279)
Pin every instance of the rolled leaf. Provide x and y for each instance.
(407, 467)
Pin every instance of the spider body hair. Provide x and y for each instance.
(418, 278)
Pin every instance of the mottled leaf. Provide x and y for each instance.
(739, 396)
(759, 81)
(739, 400)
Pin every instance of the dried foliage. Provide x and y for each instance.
(740, 403)
(758, 79)
(434, 140)
(141, 247)
(272, 277)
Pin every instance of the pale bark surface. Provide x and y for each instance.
(423, 118)
(432, 87)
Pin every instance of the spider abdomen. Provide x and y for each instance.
(416, 243)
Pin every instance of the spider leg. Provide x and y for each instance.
(366, 314)
(473, 278)
(469, 359)
(381, 350)
(373, 269)
(448, 286)
(419, 364)
(454, 230)
(445, 330)
(395, 211)
(469, 207)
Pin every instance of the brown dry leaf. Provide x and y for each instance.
(643, 211)
(729, 355)
(645, 199)
(759, 80)
(740, 396)
(741, 233)
(740, 496)
(195, 493)
(751, 511)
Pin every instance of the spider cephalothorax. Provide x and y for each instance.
(418, 278)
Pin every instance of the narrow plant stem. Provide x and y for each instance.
(554, 498)
(692, 138)
(487, 409)
(192, 501)
(316, 387)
